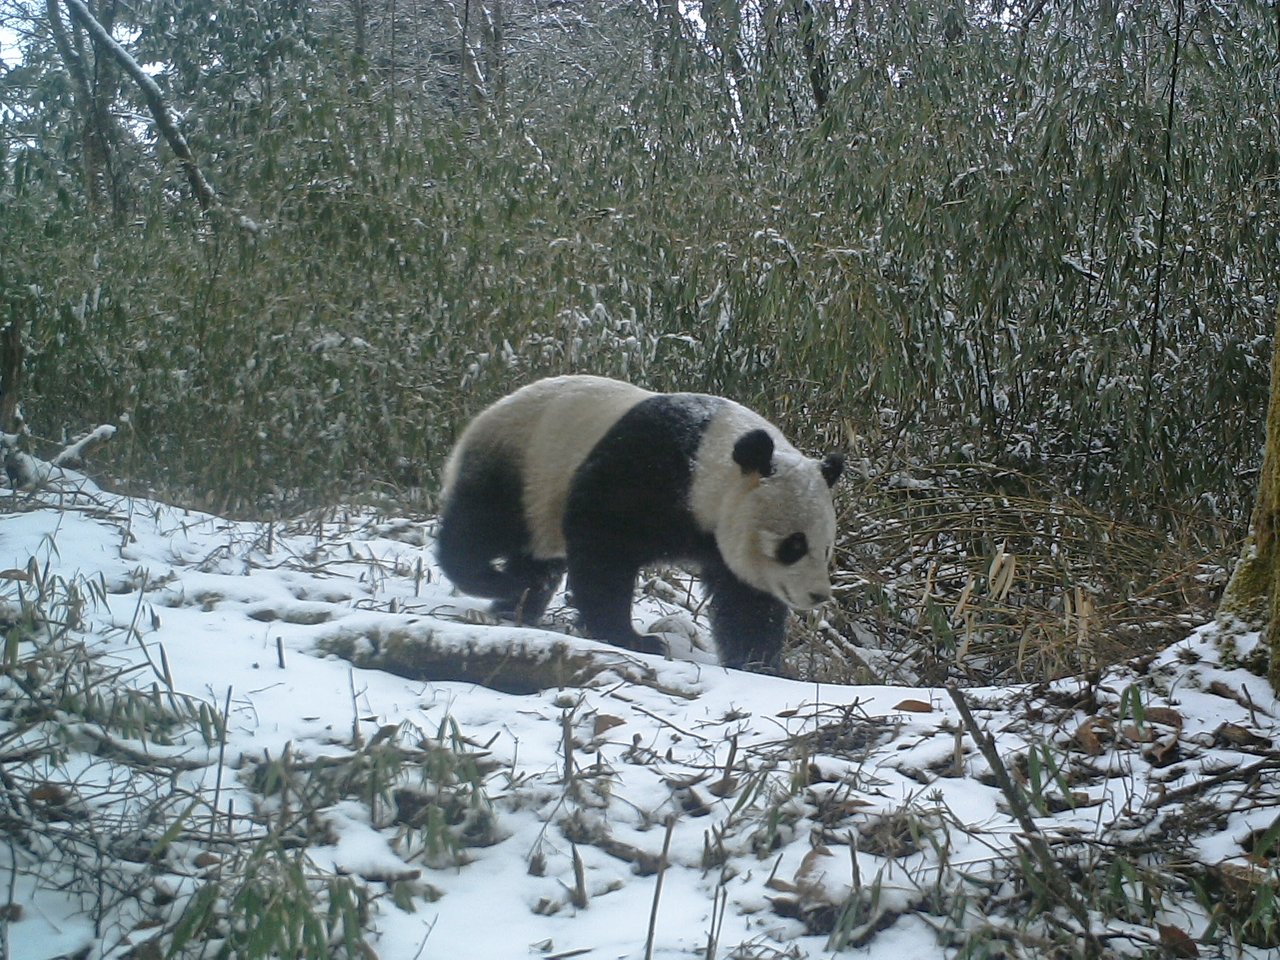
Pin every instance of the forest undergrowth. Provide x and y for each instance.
(1018, 264)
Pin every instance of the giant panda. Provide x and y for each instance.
(601, 478)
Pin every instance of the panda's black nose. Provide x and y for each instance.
(818, 598)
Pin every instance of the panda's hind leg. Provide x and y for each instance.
(483, 543)
(540, 578)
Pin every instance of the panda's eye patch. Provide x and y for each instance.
(792, 548)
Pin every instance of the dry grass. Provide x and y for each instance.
(947, 581)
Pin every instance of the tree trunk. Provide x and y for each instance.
(1252, 597)
(12, 352)
(360, 15)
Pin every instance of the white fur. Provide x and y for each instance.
(750, 515)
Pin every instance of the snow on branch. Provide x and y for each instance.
(74, 455)
(26, 472)
(151, 92)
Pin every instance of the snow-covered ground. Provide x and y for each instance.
(799, 818)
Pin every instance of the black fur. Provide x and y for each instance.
(754, 453)
(832, 466)
(628, 507)
(792, 549)
(483, 543)
(749, 625)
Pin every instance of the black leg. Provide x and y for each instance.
(628, 506)
(749, 626)
(601, 587)
(540, 578)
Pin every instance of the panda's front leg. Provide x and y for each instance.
(748, 625)
(601, 587)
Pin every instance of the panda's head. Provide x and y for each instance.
(779, 535)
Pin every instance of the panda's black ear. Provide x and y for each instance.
(832, 466)
(754, 453)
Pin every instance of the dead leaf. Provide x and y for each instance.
(15, 574)
(1218, 688)
(1138, 735)
(680, 783)
(1088, 739)
(787, 907)
(838, 810)
(1081, 799)
(1245, 880)
(604, 723)
(1166, 716)
(1237, 736)
(816, 775)
(207, 859)
(816, 865)
(726, 786)
(691, 802)
(915, 706)
(1177, 942)
(1163, 751)
(813, 861)
(50, 794)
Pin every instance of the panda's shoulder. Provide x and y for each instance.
(668, 419)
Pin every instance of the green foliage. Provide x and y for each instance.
(267, 907)
(86, 797)
(962, 243)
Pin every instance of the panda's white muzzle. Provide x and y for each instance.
(799, 599)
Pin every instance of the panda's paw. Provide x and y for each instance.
(506, 610)
(642, 643)
(519, 611)
(648, 643)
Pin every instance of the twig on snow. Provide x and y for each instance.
(657, 888)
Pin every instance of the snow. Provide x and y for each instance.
(840, 798)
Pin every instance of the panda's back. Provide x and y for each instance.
(542, 433)
(575, 413)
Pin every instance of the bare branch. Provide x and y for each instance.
(472, 80)
(151, 92)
